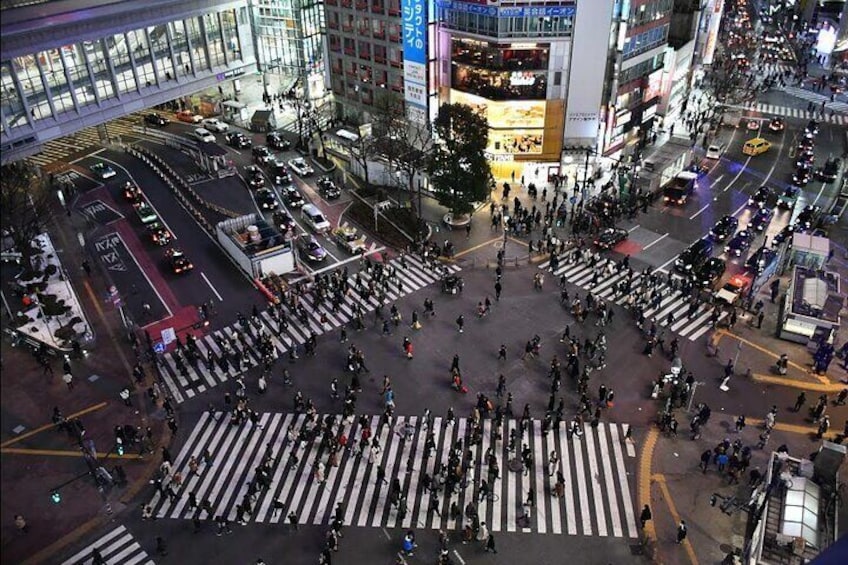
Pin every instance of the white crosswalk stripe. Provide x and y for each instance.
(763, 108)
(87, 139)
(816, 97)
(207, 374)
(597, 500)
(118, 547)
(604, 285)
(767, 69)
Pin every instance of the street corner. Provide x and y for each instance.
(628, 247)
(184, 322)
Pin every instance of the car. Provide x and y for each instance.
(761, 197)
(301, 167)
(806, 144)
(808, 216)
(802, 175)
(349, 240)
(266, 199)
(309, 247)
(261, 154)
(785, 234)
(760, 259)
(276, 141)
(830, 171)
(178, 261)
(732, 289)
(761, 219)
(789, 198)
(756, 146)
(804, 155)
(740, 243)
(328, 189)
(283, 221)
(238, 140)
(102, 171)
(292, 196)
(752, 125)
(694, 256)
(204, 135)
(724, 228)
(254, 176)
(715, 151)
(159, 234)
(145, 213)
(812, 129)
(777, 124)
(214, 124)
(189, 117)
(312, 217)
(155, 119)
(279, 173)
(710, 272)
(132, 193)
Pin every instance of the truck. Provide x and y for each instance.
(677, 190)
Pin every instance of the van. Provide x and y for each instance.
(313, 217)
(756, 146)
(715, 151)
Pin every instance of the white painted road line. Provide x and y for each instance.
(202, 274)
(660, 238)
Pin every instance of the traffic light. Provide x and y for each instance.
(119, 447)
(56, 497)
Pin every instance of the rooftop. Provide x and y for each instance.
(816, 294)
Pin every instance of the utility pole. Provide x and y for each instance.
(586, 175)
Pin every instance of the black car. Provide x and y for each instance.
(808, 216)
(155, 119)
(789, 198)
(694, 256)
(740, 243)
(812, 129)
(292, 196)
(254, 176)
(761, 219)
(610, 237)
(802, 175)
(328, 189)
(238, 140)
(805, 159)
(283, 221)
(266, 199)
(262, 154)
(759, 260)
(710, 272)
(830, 171)
(761, 197)
(277, 141)
(806, 144)
(724, 228)
(279, 172)
(785, 234)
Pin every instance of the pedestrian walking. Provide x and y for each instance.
(483, 532)
(460, 323)
(68, 378)
(21, 524)
(125, 396)
(800, 401)
(553, 463)
(292, 518)
(645, 516)
(681, 531)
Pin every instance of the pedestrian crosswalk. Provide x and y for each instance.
(767, 69)
(673, 309)
(84, 140)
(118, 547)
(830, 117)
(411, 277)
(596, 500)
(816, 97)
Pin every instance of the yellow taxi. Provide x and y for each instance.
(756, 146)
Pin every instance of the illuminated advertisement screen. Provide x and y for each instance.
(654, 87)
(414, 13)
(522, 114)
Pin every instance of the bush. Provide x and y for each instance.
(363, 215)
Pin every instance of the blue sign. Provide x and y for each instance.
(414, 13)
(567, 11)
(159, 347)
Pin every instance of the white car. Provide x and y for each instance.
(313, 218)
(715, 151)
(204, 135)
(214, 124)
(300, 167)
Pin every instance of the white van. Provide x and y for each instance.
(715, 151)
(313, 217)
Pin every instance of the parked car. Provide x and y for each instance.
(159, 234)
(328, 189)
(214, 124)
(238, 140)
(710, 272)
(145, 213)
(740, 243)
(777, 124)
(155, 119)
(694, 256)
(254, 176)
(761, 197)
(301, 167)
(312, 217)
(309, 248)
(132, 193)
(812, 129)
(789, 197)
(760, 259)
(724, 228)
(761, 219)
(715, 151)
(266, 199)
(189, 117)
(102, 171)
(279, 173)
(204, 135)
(786, 233)
(276, 141)
(349, 240)
(177, 260)
(261, 154)
(283, 221)
(292, 196)
(610, 237)
(830, 170)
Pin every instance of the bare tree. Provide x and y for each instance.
(361, 151)
(25, 205)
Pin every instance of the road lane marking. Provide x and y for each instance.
(202, 274)
(821, 190)
(687, 545)
(739, 174)
(155, 290)
(634, 228)
(660, 238)
(698, 213)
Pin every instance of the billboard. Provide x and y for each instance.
(714, 15)
(515, 114)
(414, 14)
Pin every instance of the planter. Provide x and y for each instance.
(456, 222)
